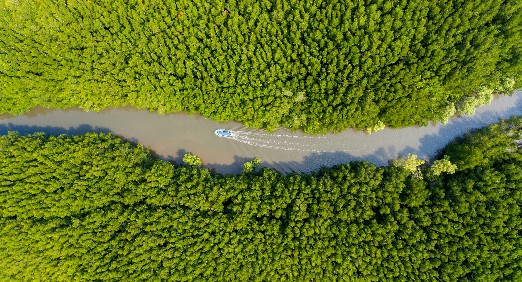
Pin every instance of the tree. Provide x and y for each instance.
(411, 163)
(443, 165)
(192, 160)
(250, 166)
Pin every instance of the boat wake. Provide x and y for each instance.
(280, 141)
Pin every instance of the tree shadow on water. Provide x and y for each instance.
(432, 145)
(429, 148)
(55, 130)
(309, 163)
(51, 130)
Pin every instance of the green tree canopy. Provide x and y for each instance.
(93, 207)
(312, 65)
(441, 166)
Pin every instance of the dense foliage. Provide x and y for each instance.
(92, 207)
(315, 65)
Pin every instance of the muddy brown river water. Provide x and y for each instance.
(170, 136)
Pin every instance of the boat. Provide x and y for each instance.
(223, 133)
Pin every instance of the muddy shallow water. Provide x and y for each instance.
(172, 135)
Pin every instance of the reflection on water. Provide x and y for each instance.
(170, 136)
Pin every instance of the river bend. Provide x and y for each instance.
(172, 135)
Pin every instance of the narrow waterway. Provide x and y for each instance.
(171, 136)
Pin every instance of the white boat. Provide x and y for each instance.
(223, 133)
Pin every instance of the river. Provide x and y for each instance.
(171, 136)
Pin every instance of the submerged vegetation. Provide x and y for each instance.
(93, 207)
(313, 65)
